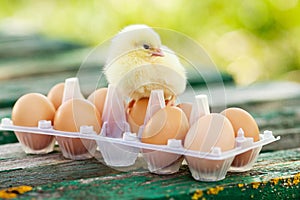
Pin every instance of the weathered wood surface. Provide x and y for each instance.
(17, 168)
(275, 175)
(35, 64)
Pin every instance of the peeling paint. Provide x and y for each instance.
(215, 190)
(198, 194)
(264, 182)
(275, 180)
(296, 180)
(13, 192)
(288, 182)
(255, 185)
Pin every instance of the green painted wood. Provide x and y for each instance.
(275, 175)
(17, 168)
(7, 137)
(17, 46)
(44, 64)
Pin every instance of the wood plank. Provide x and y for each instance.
(276, 174)
(26, 45)
(17, 168)
(43, 64)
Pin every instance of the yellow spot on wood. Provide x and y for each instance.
(14, 191)
(255, 185)
(198, 194)
(296, 180)
(215, 190)
(289, 182)
(265, 182)
(275, 180)
(240, 185)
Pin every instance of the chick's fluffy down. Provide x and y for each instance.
(136, 66)
(136, 74)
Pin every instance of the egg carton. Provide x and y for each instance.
(161, 159)
(120, 148)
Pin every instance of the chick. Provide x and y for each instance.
(138, 63)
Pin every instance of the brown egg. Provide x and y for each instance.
(212, 130)
(186, 108)
(98, 99)
(28, 111)
(69, 117)
(56, 93)
(136, 112)
(240, 118)
(167, 123)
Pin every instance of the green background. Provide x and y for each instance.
(254, 40)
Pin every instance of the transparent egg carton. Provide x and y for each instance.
(121, 152)
(120, 148)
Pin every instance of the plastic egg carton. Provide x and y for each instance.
(120, 148)
(121, 152)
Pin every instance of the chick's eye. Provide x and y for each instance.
(146, 46)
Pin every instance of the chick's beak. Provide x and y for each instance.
(156, 52)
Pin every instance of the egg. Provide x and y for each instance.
(240, 118)
(212, 130)
(186, 108)
(167, 123)
(69, 117)
(28, 111)
(98, 99)
(55, 94)
(136, 112)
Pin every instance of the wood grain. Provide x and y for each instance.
(276, 174)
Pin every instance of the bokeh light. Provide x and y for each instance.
(254, 40)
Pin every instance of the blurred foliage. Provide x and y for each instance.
(253, 40)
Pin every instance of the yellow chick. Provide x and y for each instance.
(138, 63)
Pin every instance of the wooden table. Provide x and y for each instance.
(32, 63)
